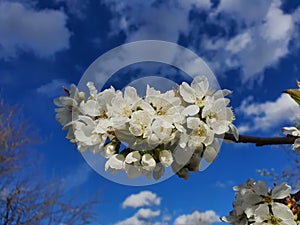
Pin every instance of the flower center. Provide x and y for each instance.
(273, 220)
(201, 131)
(268, 200)
(103, 114)
(127, 112)
(212, 115)
(160, 112)
(199, 102)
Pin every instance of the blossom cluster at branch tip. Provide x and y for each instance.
(256, 204)
(143, 135)
(294, 132)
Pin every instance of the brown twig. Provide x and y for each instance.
(261, 141)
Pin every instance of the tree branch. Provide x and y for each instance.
(261, 141)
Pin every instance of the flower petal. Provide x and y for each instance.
(281, 191)
(261, 188)
(187, 93)
(191, 110)
(282, 212)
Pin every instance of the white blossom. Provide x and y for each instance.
(69, 109)
(165, 157)
(132, 164)
(133, 157)
(162, 131)
(114, 163)
(281, 215)
(148, 162)
(194, 94)
(109, 149)
(296, 146)
(294, 132)
(86, 137)
(140, 124)
(200, 134)
(177, 127)
(291, 131)
(217, 115)
(122, 107)
(256, 204)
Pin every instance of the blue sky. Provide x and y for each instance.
(253, 47)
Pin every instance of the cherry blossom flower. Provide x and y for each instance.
(194, 94)
(176, 128)
(110, 149)
(85, 135)
(217, 115)
(69, 109)
(256, 204)
(294, 132)
(122, 107)
(291, 131)
(281, 215)
(115, 163)
(200, 134)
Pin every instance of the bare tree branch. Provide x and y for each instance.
(24, 200)
(261, 141)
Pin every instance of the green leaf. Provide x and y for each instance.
(295, 94)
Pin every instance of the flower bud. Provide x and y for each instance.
(133, 157)
(148, 162)
(110, 149)
(165, 157)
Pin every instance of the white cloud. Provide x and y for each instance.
(198, 218)
(53, 88)
(238, 43)
(142, 217)
(75, 7)
(267, 115)
(23, 28)
(77, 177)
(147, 213)
(261, 38)
(173, 18)
(248, 11)
(277, 26)
(148, 216)
(144, 198)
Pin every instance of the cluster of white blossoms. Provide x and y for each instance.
(293, 131)
(142, 136)
(256, 204)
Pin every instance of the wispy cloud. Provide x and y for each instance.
(267, 115)
(144, 198)
(53, 88)
(24, 28)
(77, 177)
(224, 184)
(75, 7)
